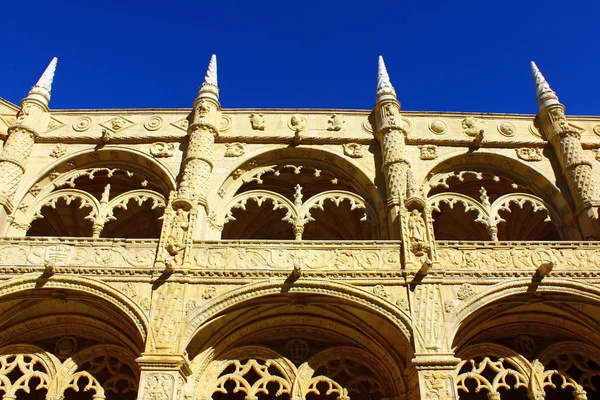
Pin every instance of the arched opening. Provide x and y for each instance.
(60, 341)
(306, 345)
(480, 203)
(291, 199)
(530, 342)
(102, 195)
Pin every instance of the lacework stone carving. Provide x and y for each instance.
(506, 257)
(309, 257)
(70, 253)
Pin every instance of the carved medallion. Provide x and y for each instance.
(225, 123)
(597, 130)
(65, 347)
(438, 127)
(465, 291)
(297, 350)
(82, 124)
(529, 154)
(154, 123)
(507, 129)
(353, 150)
(297, 122)
(367, 127)
(534, 131)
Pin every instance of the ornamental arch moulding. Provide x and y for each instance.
(313, 329)
(60, 290)
(98, 194)
(291, 187)
(568, 305)
(489, 195)
(295, 295)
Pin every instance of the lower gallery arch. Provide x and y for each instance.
(68, 337)
(298, 345)
(521, 341)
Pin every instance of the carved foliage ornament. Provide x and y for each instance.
(530, 154)
(353, 150)
(335, 122)
(428, 152)
(257, 121)
(234, 149)
(162, 149)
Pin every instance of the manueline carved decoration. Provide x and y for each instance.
(162, 149)
(597, 130)
(257, 121)
(58, 151)
(82, 124)
(335, 122)
(438, 127)
(428, 152)
(353, 150)
(429, 316)
(117, 124)
(234, 149)
(379, 290)
(472, 126)
(507, 129)
(298, 123)
(530, 154)
(465, 291)
(153, 123)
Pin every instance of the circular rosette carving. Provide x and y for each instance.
(597, 130)
(82, 124)
(154, 123)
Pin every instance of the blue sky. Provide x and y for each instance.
(441, 55)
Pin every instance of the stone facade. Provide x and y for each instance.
(298, 254)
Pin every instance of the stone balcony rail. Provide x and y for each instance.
(31, 253)
(518, 256)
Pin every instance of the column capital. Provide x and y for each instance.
(165, 362)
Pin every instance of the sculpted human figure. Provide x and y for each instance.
(416, 226)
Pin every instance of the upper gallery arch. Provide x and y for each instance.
(494, 197)
(106, 193)
(299, 193)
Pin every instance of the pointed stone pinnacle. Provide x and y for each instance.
(385, 90)
(544, 95)
(211, 72)
(43, 88)
(210, 87)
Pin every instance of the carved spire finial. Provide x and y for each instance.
(43, 88)
(210, 87)
(385, 90)
(544, 95)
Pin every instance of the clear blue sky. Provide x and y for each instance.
(441, 55)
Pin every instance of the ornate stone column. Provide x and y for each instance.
(565, 139)
(163, 377)
(386, 120)
(436, 376)
(31, 120)
(186, 214)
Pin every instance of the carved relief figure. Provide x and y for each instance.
(177, 238)
(472, 126)
(416, 226)
(161, 149)
(335, 122)
(257, 121)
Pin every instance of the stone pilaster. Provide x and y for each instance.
(163, 376)
(386, 122)
(186, 214)
(565, 139)
(436, 376)
(32, 119)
